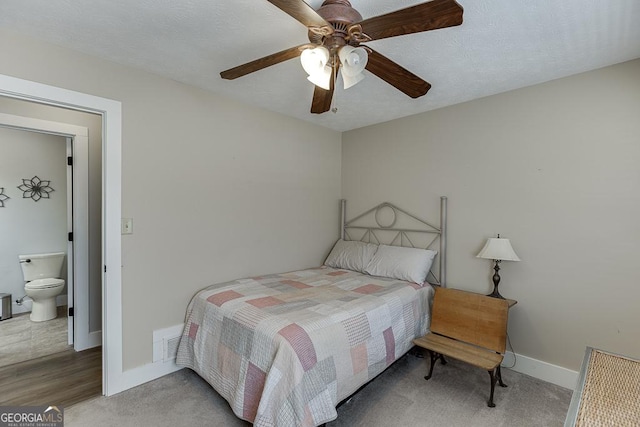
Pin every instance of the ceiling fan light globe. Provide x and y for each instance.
(351, 80)
(353, 60)
(314, 60)
(321, 78)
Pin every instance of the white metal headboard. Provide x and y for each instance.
(400, 236)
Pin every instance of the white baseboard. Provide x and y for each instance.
(143, 374)
(526, 365)
(93, 339)
(161, 365)
(542, 370)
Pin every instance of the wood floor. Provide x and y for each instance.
(61, 379)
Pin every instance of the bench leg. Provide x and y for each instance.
(434, 358)
(499, 374)
(494, 377)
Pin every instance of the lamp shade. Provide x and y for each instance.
(351, 80)
(353, 60)
(314, 60)
(322, 78)
(499, 250)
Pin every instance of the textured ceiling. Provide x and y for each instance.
(501, 45)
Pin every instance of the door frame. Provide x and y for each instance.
(113, 380)
(77, 142)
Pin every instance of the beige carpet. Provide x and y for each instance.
(455, 396)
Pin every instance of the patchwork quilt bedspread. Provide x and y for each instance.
(284, 349)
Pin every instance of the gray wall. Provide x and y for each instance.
(553, 167)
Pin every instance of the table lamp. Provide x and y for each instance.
(498, 250)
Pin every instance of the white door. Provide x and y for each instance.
(79, 228)
(70, 263)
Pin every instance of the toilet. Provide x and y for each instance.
(43, 284)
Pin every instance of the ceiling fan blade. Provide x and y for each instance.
(321, 102)
(302, 12)
(267, 61)
(397, 76)
(422, 17)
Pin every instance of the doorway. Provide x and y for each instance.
(110, 112)
(58, 153)
(33, 220)
(77, 221)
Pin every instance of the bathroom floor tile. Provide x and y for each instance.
(21, 339)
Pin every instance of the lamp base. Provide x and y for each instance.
(496, 281)
(495, 293)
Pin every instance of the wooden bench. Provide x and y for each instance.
(468, 327)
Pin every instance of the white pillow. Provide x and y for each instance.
(351, 255)
(409, 264)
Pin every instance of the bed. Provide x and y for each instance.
(285, 349)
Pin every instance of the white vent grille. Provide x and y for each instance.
(170, 348)
(165, 343)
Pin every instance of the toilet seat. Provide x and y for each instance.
(44, 283)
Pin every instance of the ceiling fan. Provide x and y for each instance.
(336, 33)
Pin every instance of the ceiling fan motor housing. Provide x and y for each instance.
(341, 16)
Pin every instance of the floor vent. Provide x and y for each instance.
(165, 343)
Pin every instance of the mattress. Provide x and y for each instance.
(284, 349)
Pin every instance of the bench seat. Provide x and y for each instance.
(471, 354)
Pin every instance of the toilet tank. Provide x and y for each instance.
(41, 266)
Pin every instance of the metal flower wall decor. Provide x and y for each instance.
(35, 188)
(3, 197)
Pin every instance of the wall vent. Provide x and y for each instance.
(170, 348)
(165, 343)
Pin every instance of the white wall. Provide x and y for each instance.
(27, 226)
(553, 167)
(216, 189)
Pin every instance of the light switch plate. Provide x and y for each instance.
(126, 226)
